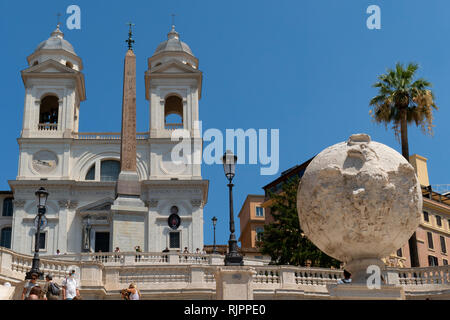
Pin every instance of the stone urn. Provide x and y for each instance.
(359, 201)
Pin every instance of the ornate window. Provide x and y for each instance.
(7, 207)
(48, 113)
(109, 170)
(5, 238)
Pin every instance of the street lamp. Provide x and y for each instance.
(232, 258)
(41, 196)
(214, 221)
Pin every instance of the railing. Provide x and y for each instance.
(106, 135)
(144, 258)
(48, 126)
(316, 276)
(192, 258)
(20, 264)
(142, 135)
(173, 126)
(424, 276)
(441, 188)
(266, 275)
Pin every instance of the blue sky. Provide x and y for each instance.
(303, 67)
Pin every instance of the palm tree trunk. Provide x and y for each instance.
(404, 134)
(412, 242)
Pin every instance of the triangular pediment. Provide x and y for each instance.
(49, 66)
(98, 206)
(175, 66)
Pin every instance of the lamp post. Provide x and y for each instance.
(41, 196)
(214, 221)
(232, 258)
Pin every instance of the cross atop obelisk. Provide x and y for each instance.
(130, 40)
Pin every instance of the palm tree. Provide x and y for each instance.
(401, 101)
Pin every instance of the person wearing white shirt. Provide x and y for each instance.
(70, 287)
(134, 292)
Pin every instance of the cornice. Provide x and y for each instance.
(435, 229)
(56, 51)
(47, 140)
(62, 183)
(178, 184)
(171, 53)
(74, 141)
(436, 205)
(193, 75)
(74, 185)
(68, 74)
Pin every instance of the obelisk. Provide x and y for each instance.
(128, 209)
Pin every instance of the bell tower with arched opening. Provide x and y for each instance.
(176, 190)
(54, 88)
(173, 85)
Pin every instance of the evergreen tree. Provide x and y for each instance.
(284, 240)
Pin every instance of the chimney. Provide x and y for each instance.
(420, 166)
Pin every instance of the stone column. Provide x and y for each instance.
(61, 243)
(197, 224)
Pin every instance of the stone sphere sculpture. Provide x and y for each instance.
(359, 201)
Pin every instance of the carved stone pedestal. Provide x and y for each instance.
(128, 220)
(234, 283)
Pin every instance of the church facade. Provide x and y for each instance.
(80, 170)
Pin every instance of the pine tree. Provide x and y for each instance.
(284, 240)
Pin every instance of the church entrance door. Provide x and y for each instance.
(102, 241)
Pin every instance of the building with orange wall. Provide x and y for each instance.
(252, 219)
(433, 233)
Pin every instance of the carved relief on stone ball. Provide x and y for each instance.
(359, 199)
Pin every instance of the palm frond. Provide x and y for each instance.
(398, 90)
